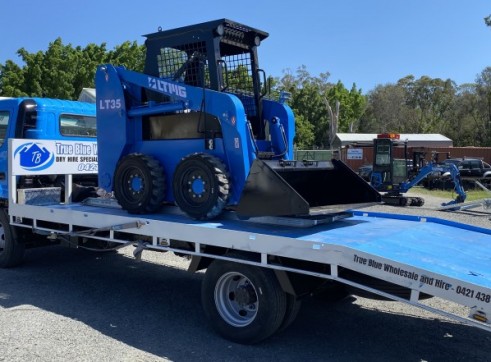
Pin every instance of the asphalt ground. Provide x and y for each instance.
(72, 305)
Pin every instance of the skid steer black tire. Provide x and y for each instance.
(139, 184)
(12, 247)
(201, 186)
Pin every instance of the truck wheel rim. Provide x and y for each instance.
(236, 299)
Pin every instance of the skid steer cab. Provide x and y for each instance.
(197, 128)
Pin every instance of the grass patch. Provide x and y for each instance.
(472, 195)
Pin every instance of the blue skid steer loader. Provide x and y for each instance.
(197, 128)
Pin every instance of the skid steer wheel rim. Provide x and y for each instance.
(201, 186)
(134, 182)
(139, 183)
(236, 299)
(198, 186)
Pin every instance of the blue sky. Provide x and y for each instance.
(367, 42)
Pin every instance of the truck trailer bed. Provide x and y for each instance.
(369, 251)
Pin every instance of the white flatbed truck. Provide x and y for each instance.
(257, 272)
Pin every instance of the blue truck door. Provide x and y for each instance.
(16, 115)
(7, 115)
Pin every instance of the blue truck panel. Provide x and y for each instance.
(42, 119)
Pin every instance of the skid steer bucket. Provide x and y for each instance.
(300, 188)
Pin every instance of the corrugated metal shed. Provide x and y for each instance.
(413, 139)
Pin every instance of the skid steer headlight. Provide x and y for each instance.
(219, 30)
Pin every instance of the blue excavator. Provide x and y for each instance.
(390, 175)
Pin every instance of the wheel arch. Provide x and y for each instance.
(295, 284)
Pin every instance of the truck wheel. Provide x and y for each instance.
(201, 186)
(292, 309)
(139, 184)
(245, 304)
(11, 247)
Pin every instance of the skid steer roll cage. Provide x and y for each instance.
(219, 55)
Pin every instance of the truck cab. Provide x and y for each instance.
(42, 119)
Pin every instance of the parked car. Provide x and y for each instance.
(470, 169)
(474, 167)
(455, 161)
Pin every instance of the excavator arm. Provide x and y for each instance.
(431, 168)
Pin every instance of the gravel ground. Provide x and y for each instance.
(68, 304)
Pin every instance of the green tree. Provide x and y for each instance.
(308, 101)
(62, 70)
(88, 59)
(129, 54)
(427, 105)
(465, 123)
(483, 106)
(11, 80)
(353, 105)
(423, 105)
(58, 66)
(430, 99)
(386, 110)
(304, 133)
(32, 73)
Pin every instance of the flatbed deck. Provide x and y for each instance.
(425, 255)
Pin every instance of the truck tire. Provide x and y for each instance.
(293, 305)
(201, 186)
(245, 304)
(11, 247)
(139, 184)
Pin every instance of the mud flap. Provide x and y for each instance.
(295, 188)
